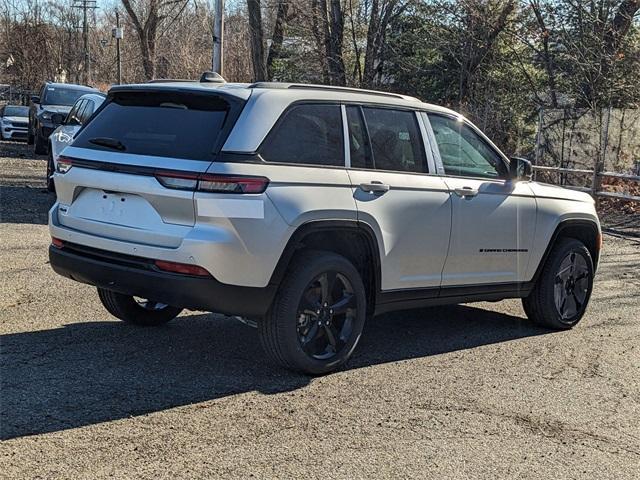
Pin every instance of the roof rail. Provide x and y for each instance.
(310, 86)
(169, 80)
(212, 77)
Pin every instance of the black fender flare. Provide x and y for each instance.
(296, 241)
(563, 226)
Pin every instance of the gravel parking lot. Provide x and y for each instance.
(470, 391)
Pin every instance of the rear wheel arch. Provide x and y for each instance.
(351, 239)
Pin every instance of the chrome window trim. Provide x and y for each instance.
(426, 144)
(345, 137)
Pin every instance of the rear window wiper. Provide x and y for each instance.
(108, 142)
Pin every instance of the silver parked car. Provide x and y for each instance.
(309, 209)
(14, 122)
(62, 136)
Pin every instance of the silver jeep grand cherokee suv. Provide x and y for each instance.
(309, 209)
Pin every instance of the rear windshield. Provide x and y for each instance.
(15, 111)
(158, 124)
(62, 95)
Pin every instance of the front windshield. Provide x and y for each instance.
(16, 111)
(61, 96)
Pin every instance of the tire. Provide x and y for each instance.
(127, 309)
(29, 138)
(567, 274)
(40, 147)
(51, 186)
(289, 333)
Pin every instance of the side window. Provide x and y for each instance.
(462, 150)
(309, 134)
(395, 140)
(74, 111)
(86, 113)
(358, 143)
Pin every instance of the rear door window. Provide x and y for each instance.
(307, 134)
(396, 141)
(164, 124)
(86, 112)
(74, 114)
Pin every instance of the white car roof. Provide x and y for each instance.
(268, 100)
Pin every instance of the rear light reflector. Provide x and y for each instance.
(64, 165)
(232, 184)
(56, 242)
(183, 268)
(212, 183)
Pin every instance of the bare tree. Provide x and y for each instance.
(275, 49)
(256, 35)
(382, 13)
(148, 17)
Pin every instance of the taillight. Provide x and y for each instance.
(212, 183)
(178, 181)
(183, 268)
(232, 184)
(56, 242)
(64, 165)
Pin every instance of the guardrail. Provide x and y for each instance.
(594, 190)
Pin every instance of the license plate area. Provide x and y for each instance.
(118, 208)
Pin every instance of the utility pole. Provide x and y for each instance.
(218, 34)
(85, 6)
(117, 34)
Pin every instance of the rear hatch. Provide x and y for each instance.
(127, 176)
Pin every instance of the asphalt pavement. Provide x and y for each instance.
(468, 391)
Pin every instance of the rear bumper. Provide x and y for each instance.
(139, 276)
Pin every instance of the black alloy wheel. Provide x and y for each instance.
(562, 291)
(318, 315)
(325, 315)
(571, 286)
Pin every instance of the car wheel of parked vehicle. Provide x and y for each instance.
(40, 145)
(318, 315)
(51, 186)
(137, 310)
(29, 138)
(562, 291)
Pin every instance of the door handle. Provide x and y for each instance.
(375, 187)
(466, 192)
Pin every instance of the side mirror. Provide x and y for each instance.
(35, 98)
(57, 118)
(520, 169)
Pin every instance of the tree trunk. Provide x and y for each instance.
(319, 36)
(546, 54)
(275, 49)
(382, 14)
(256, 37)
(333, 26)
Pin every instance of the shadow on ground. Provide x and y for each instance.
(86, 373)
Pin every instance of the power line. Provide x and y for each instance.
(85, 6)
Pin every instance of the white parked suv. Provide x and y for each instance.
(309, 209)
